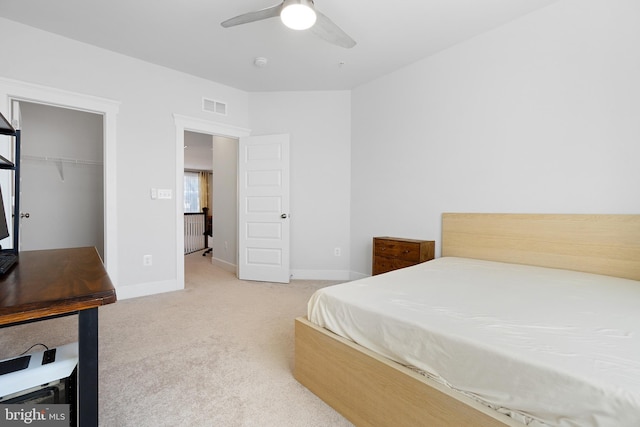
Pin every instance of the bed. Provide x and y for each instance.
(371, 389)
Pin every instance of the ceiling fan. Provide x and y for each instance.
(298, 15)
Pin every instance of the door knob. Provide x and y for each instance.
(24, 215)
(283, 216)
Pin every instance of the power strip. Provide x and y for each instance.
(44, 367)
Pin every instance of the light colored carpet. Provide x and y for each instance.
(219, 353)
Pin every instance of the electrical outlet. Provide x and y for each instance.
(147, 260)
(337, 252)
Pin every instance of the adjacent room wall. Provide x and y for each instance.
(540, 115)
(198, 155)
(225, 205)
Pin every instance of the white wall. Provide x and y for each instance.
(319, 124)
(198, 154)
(225, 204)
(541, 115)
(320, 127)
(146, 137)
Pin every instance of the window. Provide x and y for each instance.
(191, 192)
(197, 191)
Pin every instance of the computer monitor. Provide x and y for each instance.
(4, 229)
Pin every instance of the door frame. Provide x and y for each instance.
(182, 124)
(15, 90)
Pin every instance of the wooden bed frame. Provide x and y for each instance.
(370, 390)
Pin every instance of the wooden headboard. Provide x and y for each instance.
(601, 244)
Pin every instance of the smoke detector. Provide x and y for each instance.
(260, 62)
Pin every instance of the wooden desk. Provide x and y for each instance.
(61, 282)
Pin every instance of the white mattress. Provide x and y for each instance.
(548, 346)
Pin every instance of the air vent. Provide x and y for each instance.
(213, 106)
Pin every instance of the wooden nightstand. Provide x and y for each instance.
(392, 253)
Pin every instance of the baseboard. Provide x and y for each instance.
(320, 275)
(149, 288)
(355, 275)
(340, 275)
(225, 265)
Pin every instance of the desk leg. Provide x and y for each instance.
(88, 368)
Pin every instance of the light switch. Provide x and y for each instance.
(164, 194)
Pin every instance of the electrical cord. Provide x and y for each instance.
(35, 345)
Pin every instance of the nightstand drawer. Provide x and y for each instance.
(405, 250)
(382, 264)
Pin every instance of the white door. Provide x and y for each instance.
(263, 217)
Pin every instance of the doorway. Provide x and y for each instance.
(62, 200)
(182, 124)
(198, 192)
(15, 91)
(219, 155)
(266, 149)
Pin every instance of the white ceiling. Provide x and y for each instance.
(186, 35)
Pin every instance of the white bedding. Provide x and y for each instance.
(548, 346)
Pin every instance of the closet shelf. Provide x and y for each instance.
(61, 160)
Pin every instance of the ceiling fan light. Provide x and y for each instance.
(298, 14)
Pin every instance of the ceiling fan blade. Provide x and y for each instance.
(328, 31)
(258, 15)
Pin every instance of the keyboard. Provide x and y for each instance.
(7, 260)
(13, 365)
